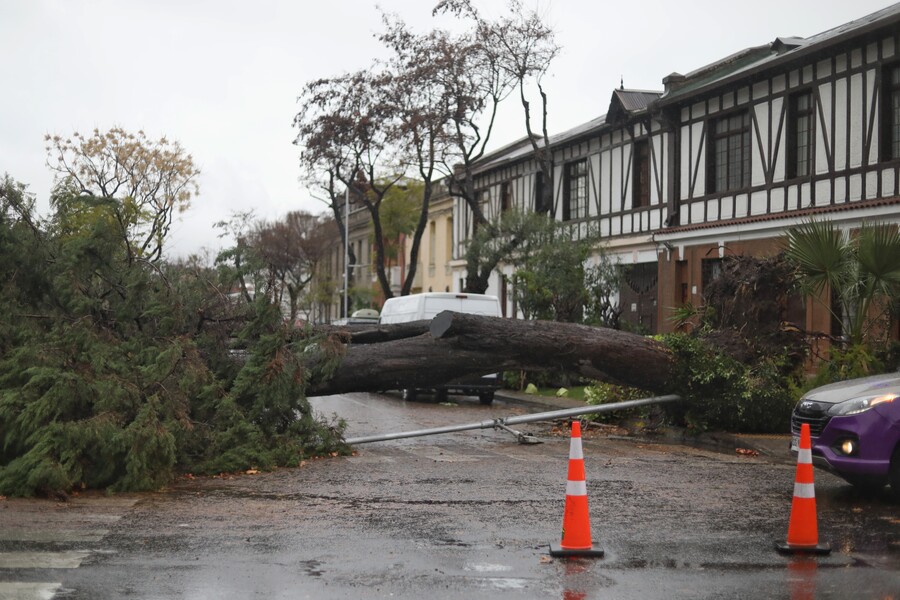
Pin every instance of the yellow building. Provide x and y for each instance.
(436, 249)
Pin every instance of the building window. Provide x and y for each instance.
(800, 135)
(710, 270)
(432, 244)
(464, 230)
(505, 196)
(890, 102)
(449, 248)
(729, 153)
(575, 191)
(539, 205)
(484, 202)
(641, 175)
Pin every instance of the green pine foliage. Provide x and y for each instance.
(115, 372)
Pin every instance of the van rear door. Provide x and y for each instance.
(472, 304)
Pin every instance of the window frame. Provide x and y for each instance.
(640, 165)
(710, 270)
(795, 113)
(575, 181)
(889, 129)
(505, 196)
(539, 184)
(713, 185)
(432, 244)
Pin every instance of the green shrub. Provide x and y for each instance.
(857, 360)
(600, 393)
(723, 394)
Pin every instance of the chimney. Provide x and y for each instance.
(673, 81)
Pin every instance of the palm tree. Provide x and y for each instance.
(862, 271)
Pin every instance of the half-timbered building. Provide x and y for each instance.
(722, 160)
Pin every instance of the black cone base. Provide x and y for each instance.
(557, 550)
(820, 549)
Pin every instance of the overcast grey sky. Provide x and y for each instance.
(222, 76)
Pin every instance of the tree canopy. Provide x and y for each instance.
(146, 180)
(426, 112)
(115, 371)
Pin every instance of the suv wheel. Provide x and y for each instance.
(486, 397)
(865, 485)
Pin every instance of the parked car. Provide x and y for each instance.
(855, 429)
(363, 316)
(422, 307)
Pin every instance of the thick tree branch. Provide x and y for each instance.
(460, 345)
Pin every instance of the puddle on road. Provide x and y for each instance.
(486, 568)
(499, 583)
(507, 583)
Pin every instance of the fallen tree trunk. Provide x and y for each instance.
(376, 333)
(594, 352)
(460, 345)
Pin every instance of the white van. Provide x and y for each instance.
(419, 307)
(423, 307)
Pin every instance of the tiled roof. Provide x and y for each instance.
(629, 100)
(782, 50)
(634, 100)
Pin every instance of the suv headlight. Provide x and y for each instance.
(858, 405)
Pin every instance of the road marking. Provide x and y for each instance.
(43, 560)
(15, 590)
(56, 527)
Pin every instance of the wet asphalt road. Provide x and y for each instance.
(464, 515)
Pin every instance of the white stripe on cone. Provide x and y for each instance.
(575, 449)
(804, 490)
(576, 488)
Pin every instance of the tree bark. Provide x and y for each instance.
(375, 333)
(460, 345)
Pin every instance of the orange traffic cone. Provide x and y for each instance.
(803, 534)
(576, 533)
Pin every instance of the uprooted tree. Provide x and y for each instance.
(116, 373)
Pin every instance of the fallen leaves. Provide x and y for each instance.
(746, 452)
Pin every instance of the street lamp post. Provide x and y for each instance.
(346, 250)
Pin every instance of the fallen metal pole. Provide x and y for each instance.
(532, 418)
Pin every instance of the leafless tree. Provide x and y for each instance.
(343, 132)
(291, 250)
(516, 50)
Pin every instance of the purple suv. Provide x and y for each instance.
(855, 427)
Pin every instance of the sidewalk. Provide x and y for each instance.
(771, 447)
